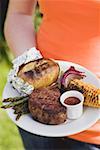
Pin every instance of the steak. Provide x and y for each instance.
(45, 107)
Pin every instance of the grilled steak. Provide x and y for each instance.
(39, 73)
(45, 106)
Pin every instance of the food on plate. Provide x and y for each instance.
(90, 92)
(45, 106)
(39, 73)
(38, 80)
(72, 101)
(24, 88)
(70, 74)
(19, 104)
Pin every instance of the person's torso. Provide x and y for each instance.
(70, 31)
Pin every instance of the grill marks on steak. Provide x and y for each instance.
(45, 106)
(49, 99)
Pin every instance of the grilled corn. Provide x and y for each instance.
(90, 92)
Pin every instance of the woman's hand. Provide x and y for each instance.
(19, 30)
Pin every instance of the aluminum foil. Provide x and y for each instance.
(24, 88)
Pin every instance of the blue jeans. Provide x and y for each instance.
(34, 142)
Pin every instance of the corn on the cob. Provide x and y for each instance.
(90, 92)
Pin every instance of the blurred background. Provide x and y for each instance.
(9, 136)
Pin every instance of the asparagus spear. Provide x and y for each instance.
(18, 116)
(21, 108)
(22, 111)
(22, 105)
(14, 99)
(19, 104)
(18, 108)
(14, 103)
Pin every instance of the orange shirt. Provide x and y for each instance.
(70, 30)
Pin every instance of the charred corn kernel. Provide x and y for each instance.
(90, 92)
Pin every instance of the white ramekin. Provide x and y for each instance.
(73, 111)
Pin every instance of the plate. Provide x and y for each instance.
(70, 127)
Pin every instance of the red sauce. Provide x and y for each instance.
(71, 101)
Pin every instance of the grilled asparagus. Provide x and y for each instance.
(19, 104)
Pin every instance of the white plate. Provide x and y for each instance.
(89, 117)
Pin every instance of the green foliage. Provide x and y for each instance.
(4, 68)
(4, 51)
(9, 136)
(37, 19)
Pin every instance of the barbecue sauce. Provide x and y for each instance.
(72, 101)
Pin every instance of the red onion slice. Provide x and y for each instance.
(70, 74)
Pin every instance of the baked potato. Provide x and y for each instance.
(39, 73)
